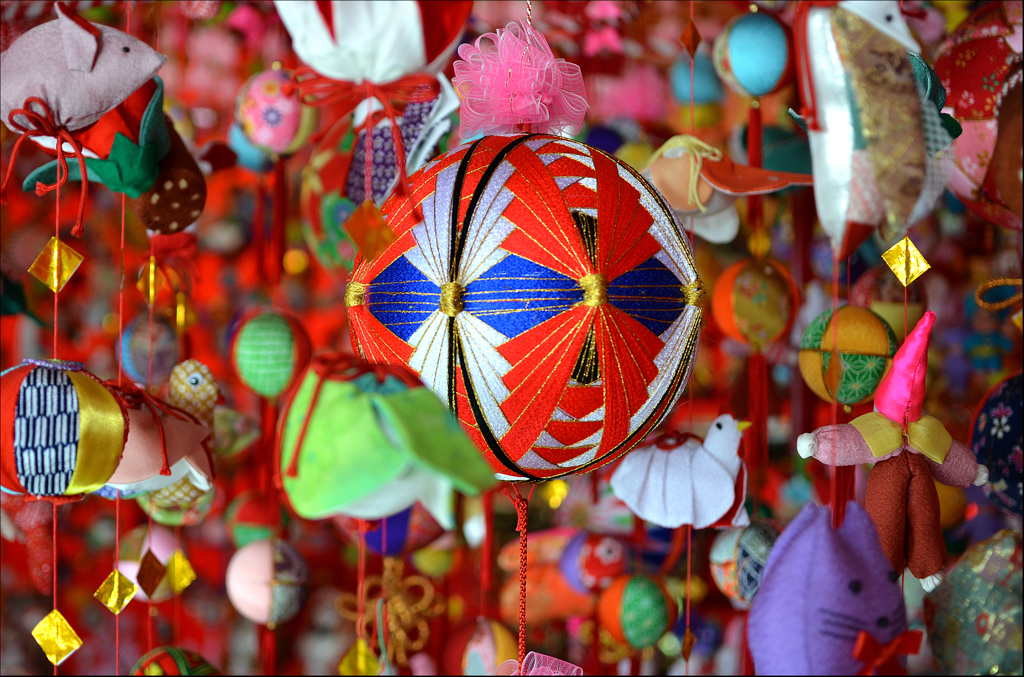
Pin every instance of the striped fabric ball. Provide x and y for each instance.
(62, 432)
(544, 291)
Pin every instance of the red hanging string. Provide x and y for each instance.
(386, 633)
(268, 650)
(54, 506)
(177, 596)
(149, 546)
(361, 582)
(522, 506)
(278, 223)
(117, 567)
(838, 506)
(486, 553)
(258, 229)
(693, 107)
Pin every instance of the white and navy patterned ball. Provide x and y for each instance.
(62, 430)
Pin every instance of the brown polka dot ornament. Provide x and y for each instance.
(179, 193)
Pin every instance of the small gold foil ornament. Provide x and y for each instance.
(180, 571)
(151, 573)
(55, 264)
(759, 243)
(115, 592)
(184, 314)
(56, 637)
(906, 261)
(151, 280)
(359, 660)
(369, 230)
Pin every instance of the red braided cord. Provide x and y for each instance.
(43, 124)
(522, 506)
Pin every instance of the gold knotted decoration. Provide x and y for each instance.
(411, 601)
(595, 289)
(354, 293)
(451, 302)
(694, 293)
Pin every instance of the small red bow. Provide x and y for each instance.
(43, 124)
(331, 366)
(343, 97)
(882, 659)
(177, 252)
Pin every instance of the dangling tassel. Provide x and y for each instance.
(522, 506)
(754, 159)
(757, 408)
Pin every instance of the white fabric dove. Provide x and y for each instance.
(673, 482)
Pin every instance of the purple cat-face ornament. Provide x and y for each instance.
(822, 587)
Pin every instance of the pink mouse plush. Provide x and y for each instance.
(81, 70)
(908, 451)
(62, 77)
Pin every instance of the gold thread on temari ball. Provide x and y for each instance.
(595, 289)
(694, 294)
(354, 294)
(451, 298)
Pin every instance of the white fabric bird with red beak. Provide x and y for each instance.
(679, 480)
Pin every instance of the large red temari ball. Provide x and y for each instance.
(544, 291)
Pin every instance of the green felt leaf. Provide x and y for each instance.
(426, 427)
(130, 168)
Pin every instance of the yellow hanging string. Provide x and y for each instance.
(698, 152)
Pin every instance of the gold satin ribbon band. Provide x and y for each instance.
(884, 436)
(100, 435)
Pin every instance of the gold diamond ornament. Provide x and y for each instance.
(180, 572)
(359, 660)
(56, 637)
(115, 592)
(55, 264)
(906, 261)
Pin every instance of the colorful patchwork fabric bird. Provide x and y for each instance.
(872, 140)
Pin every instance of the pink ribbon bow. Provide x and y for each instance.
(605, 38)
(518, 85)
(539, 664)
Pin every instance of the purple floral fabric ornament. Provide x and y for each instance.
(997, 439)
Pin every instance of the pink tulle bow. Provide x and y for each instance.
(539, 664)
(518, 85)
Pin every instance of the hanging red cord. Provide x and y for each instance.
(522, 507)
(487, 553)
(54, 570)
